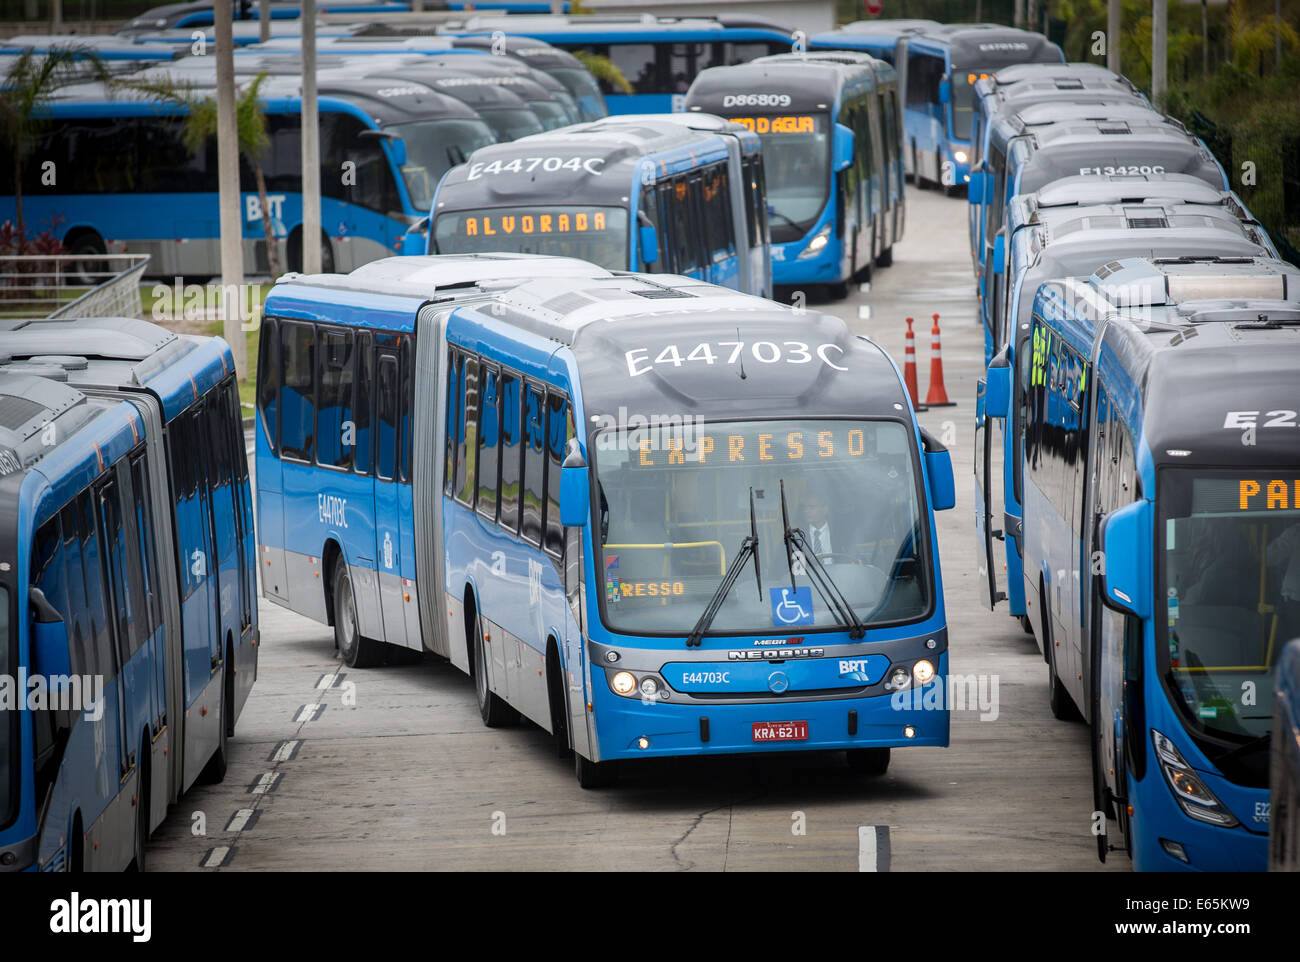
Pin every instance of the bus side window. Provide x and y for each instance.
(80, 643)
(638, 63)
(297, 393)
(143, 506)
(717, 214)
(386, 418)
(669, 229)
(268, 382)
(363, 440)
(455, 370)
(110, 512)
(489, 437)
(48, 575)
(465, 432)
(650, 208)
(335, 429)
(99, 632)
(534, 463)
(510, 452)
(557, 437)
(406, 409)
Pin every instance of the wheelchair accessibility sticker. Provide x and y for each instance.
(791, 606)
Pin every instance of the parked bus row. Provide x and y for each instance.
(1135, 319)
(589, 569)
(128, 598)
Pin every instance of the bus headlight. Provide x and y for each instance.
(624, 683)
(822, 238)
(1193, 795)
(959, 156)
(923, 672)
(898, 677)
(649, 687)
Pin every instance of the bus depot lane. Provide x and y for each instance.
(391, 768)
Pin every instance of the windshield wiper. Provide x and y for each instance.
(748, 549)
(818, 575)
(772, 211)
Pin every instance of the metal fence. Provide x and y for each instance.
(71, 285)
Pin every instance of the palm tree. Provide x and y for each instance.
(27, 87)
(602, 68)
(200, 126)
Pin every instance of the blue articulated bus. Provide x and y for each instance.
(626, 192)
(1160, 548)
(591, 568)
(1023, 158)
(117, 155)
(1015, 88)
(938, 69)
(659, 57)
(1284, 791)
(825, 160)
(127, 583)
(1069, 229)
(879, 38)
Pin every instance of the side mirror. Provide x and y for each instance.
(938, 468)
(398, 146)
(1126, 559)
(945, 91)
(997, 386)
(975, 190)
(999, 253)
(648, 241)
(575, 489)
(843, 147)
(50, 656)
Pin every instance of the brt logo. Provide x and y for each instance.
(253, 207)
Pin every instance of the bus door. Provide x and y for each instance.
(985, 532)
(388, 533)
(195, 550)
(362, 555)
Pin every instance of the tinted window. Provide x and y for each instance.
(115, 554)
(268, 382)
(143, 507)
(365, 366)
(406, 401)
(386, 418)
(466, 433)
(80, 642)
(637, 62)
(719, 229)
(489, 437)
(98, 627)
(335, 429)
(297, 398)
(558, 432)
(166, 165)
(373, 186)
(510, 451)
(534, 463)
(455, 369)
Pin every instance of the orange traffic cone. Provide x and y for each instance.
(909, 365)
(938, 396)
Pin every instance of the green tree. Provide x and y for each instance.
(200, 126)
(602, 68)
(27, 88)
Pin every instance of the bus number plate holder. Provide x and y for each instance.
(784, 731)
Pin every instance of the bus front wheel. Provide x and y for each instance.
(868, 761)
(356, 650)
(592, 774)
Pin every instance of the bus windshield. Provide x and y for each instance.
(432, 148)
(550, 113)
(510, 123)
(1230, 576)
(674, 509)
(584, 88)
(595, 234)
(963, 102)
(796, 155)
(8, 730)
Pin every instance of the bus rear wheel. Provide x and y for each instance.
(356, 650)
(496, 713)
(1058, 699)
(592, 774)
(868, 761)
(886, 257)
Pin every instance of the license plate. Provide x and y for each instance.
(784, 731)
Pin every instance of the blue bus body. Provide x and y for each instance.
(659, 58)
(832, 150)
(1284, 788)
(697, 182)
(540, 586)
(190, 15)
(938, 69)
(94, 204)
(129, 559)
(1157, 543)
(1069, 229)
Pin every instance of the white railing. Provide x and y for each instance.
(71, 285)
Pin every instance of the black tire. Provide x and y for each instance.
(494, 710)
(356, 650)
(837, 291)
(917, 179)
(1026, 625)
(293, 253)
(593, 774)
(886, 257)
(87, 272)
(1058, 699)
(140, 859)
(868, 761)
(559, 711)
(214, 772)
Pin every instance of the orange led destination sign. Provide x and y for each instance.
(788, 124)
(1256, 494)
(763, 447)
(578, 222)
